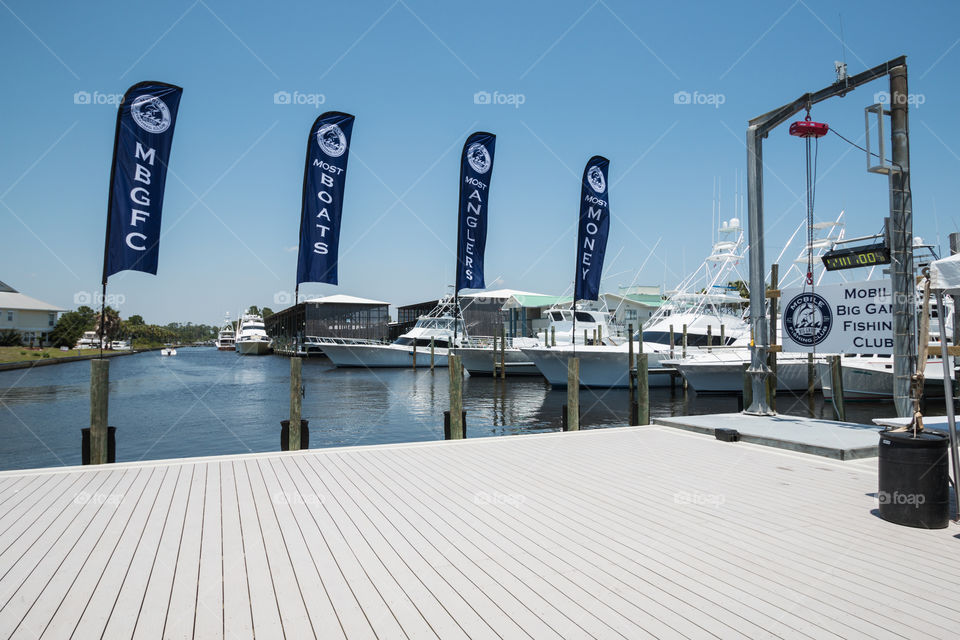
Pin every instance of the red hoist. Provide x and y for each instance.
(808, 129)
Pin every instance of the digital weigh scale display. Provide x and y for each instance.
(865, 256)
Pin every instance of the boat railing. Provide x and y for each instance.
(315, 340)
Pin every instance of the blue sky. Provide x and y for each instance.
(594, 77)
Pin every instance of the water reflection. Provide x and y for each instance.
(207, 402)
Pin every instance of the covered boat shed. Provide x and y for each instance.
(336, 316)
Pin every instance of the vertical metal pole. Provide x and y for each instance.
(836, 384)
(573, 394)
(901, 218)
(296, 384)
(811, 383)
(630, 377)
(758, 352)
(772, 357)
(99, 399)
(456, 398)
(948, 391)
(955, 249)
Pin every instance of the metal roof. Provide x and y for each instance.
(23, 302)
(345, 299)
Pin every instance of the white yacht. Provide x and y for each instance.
(252, 338)
(705, 304)
(437, 325)
(226, 339)
(478, 356)
(89, 340)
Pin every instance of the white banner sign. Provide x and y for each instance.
(855, 317)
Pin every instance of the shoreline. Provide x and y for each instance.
(43, 362)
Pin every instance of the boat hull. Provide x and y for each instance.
(600, 367)
(382, 356)
(874, 383)
(478, 361)
(727, 377)
(253, 348)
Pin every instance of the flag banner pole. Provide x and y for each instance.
(593, 228)
(324, 180)
(146, 119)
(476, 171)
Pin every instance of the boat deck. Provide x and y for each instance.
(640, 532)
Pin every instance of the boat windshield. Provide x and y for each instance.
(253, 327)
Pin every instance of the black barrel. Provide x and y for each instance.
(914, 488)
(285, 435)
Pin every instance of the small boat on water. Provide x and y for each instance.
(226, 338)
(252, 338)
(168, 351)
(437, 325)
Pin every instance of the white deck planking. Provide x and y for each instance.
(618, 533)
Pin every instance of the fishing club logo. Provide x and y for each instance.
(595, 178)
(331, 140)
(807, 319)
(478, 157)
(151, 114)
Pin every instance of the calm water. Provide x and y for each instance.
(208, 402)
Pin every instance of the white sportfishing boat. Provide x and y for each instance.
(227, 337)
(252, 338)
(168, 351)
(704, 304)
(721, 370)
(478, 356)
(438, 326)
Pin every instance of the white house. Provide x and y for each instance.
(33, 318)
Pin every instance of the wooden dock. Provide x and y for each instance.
(642, 532)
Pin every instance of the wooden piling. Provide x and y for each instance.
(572, 422)
(671, 342)
(723, 335)
(643, 391)
(683, 353)
(456, 397)
(99, 401)
(553, 336)
(503, 353)
(709, 338)
(414, 354)
(772, 353)
(431, 355)
(296, 406)
(630, 377)
(836, 387)
(600, 334)
(639, 338)
(811, 383)
(584, 337)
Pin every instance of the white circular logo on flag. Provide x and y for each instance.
(150, 113)
(331, 140)
(595, 178)
(478, 157)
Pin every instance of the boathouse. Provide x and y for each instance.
(336, 316)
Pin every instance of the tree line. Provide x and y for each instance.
(71, 326)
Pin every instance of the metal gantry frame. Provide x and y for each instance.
(902, 241)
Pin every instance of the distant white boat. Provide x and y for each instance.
(168, 351)
(226, 338)
(252, 338)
